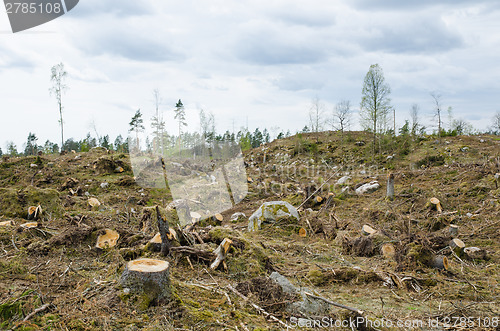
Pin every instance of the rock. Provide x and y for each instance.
(368, 188)
(282, 281)
(34, 165)
(236, 217)
(271, 212)
(104, 185)
(307, 305)
(343, 180)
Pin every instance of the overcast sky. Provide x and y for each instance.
(258, 60)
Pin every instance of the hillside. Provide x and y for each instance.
(55, 266)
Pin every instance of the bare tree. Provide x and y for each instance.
(57, 77)
(375, 102)
(438, 109)
(157, 123)
(496, 123)
(341, 116)
(316, 115)
(414, 114)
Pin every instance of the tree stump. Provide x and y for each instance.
(440, 262)
(453, 230)
(108, 239)
(457, 246)
(147, 281)
(367, 230)
(436, 204)
(390, 187)
(388, 251)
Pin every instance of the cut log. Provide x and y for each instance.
(30, 225)
(368, 230)
(108, 239)
(437, 204)
(249, 180)
(221, 253)
(390, 187)
(475, 253)
(457, 246)
(388, 251)
(440, 262)
(302, 232)
(453, 230)
(148, 279)
(319, 199)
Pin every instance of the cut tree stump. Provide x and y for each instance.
(368, 230)
(390, 187)
(475, 253)
(388, 251)
(457, 246)
(440, 262)
(34, 213)
(148, 280)
(453, 229)
(436, 204)
(108, 239)
(221, 252)
(218, 218)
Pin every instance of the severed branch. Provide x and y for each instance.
(360, 312)
(221, 252)
(36, 311)
(259, 309)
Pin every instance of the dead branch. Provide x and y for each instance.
(259, 309)
(36, 311)
(360, 312)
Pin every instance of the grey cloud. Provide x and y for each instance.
(129, 44)
(275, 46)
(413, 36)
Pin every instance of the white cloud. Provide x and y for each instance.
(259, 59)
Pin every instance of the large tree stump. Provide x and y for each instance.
(147, 280)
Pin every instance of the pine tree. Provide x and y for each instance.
(136, 125)
(31, 147)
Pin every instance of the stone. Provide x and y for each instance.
(368, 188)
(271, 212)
(343, 180)
(307, 304)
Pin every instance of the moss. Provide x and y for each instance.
(317, 277)
(15, 203)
